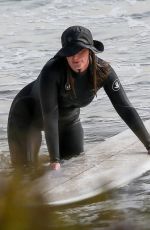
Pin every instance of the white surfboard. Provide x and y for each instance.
(111, 164)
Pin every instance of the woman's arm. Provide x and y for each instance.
(124, 108)
(49, 105)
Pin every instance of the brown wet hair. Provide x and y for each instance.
(99, 71)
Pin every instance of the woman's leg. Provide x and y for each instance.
(34, 139)
(24, 146)
(23, 138)
(71, 141)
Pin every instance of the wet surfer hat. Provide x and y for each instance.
(75, 38)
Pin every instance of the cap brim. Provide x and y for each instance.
(69, 51)
(99, 46)
(75, 48)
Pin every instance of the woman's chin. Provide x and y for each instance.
(79, 70)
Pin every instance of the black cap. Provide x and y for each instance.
(76, 38)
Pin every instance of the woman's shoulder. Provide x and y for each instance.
(52, 71)
(102, 63)
(54, 64)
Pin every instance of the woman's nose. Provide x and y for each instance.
(75, 57)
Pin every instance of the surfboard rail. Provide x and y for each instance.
(111, 164)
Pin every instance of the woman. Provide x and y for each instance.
(68, 81)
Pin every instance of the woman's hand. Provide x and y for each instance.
(55, 165)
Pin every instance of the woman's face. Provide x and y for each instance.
(80, 61)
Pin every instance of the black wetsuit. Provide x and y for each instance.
(48, 104)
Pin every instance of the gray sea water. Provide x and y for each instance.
(30, 33)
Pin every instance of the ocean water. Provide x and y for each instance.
(30, 33)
